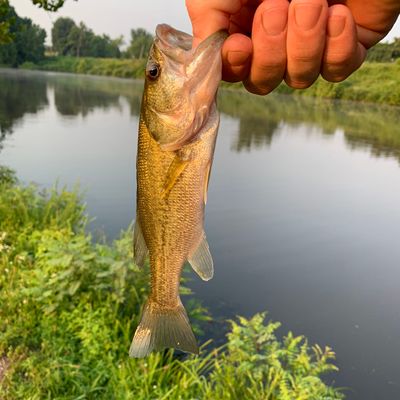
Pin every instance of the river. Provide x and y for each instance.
(303, 212)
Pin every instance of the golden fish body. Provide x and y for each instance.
(177, 133)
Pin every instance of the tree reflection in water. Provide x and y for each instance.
(372, 127)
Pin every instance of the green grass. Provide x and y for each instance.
(69, 308)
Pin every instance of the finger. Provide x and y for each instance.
(343, 53)
(305, 41)
(236, 57)
(210, 16)
(374, 19)
(269, 47)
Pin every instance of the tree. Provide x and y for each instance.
(140, 43)
(26, 40)
(80, 41)
(60, 33)
(5, 22)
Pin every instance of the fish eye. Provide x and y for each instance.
(153, 71)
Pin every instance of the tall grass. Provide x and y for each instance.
(68, 309)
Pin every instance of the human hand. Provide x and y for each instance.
(272, 40)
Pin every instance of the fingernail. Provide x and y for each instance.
(336, 25)
(236, 58)
(307, 15)
(274, 21)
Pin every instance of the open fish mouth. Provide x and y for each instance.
(183, 93)
(177, 46)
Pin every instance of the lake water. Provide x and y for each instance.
(303, 213)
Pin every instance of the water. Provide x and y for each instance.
(303, 213)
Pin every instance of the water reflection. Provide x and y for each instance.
(19, 95)
(254, 132)
(371, 127)
(76, 99)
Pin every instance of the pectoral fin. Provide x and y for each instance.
(140, 249)
(201, 260)
(174, 171)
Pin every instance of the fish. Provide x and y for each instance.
(178, 128)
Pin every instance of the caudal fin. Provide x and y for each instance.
(159, 329)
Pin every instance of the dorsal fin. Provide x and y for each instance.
(201, 260)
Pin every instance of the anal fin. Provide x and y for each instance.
(201, 260)
(140, 249)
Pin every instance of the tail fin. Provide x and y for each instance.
(159, 329)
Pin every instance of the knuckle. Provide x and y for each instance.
(259, 89)
(334, 75)
(305, 56)
(299, 83)
(338, 59)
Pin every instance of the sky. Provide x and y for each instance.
(118, 17)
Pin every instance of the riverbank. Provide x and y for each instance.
(70, 306)
(121, 68)
(372, 83)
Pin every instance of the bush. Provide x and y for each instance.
(69, 308)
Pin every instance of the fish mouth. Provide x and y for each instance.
(177, 46)
(199, 71)
(173, 43)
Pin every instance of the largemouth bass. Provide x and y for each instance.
(177, 133)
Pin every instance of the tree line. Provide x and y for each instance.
(385, 52)
(70, 39)
(23, 41)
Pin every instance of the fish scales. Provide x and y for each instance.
(177, 133)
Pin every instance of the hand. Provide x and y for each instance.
(273, 40)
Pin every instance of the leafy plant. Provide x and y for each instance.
(69, 308)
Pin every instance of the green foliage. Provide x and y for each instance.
(69, 308)
(7, 176)
(70, 39)
(5, 22)
(373, 82)
(59, 34)
(384, 52)
(21, 39)
(265, 368)
(49, 5)
(140, 43)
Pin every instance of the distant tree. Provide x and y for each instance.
(80, 41)
(140, 43)
(396, 48)
(26, 40)
(385, 52)
(60, 33)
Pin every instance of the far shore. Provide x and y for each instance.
(372, 83)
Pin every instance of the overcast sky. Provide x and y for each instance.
(118, 17)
